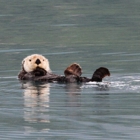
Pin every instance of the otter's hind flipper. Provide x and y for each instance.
(99, 74)
(73, 69)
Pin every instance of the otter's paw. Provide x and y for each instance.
(73, 69)
(39, 72)
(100, 73)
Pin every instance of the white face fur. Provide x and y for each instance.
(31, 62)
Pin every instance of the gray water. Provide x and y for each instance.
(92, 33)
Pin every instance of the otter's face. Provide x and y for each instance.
(30, 63)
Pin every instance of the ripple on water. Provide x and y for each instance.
(119, 83)
(14, 50)
(126, 83)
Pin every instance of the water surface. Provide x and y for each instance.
(92, 33)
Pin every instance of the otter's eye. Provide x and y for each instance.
(29, 59)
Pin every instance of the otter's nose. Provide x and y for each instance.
(37, 61)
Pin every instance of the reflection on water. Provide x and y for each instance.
(101, 104)
(36, 102)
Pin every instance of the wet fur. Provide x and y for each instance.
(36, 67)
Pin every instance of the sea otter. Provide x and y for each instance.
(36, 67)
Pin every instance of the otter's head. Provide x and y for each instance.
(30, 63)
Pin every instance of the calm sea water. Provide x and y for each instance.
(92, 33)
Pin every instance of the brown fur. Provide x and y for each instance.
(36, 68)
(73, 69)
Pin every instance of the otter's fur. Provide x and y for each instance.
(36, 67)
(30, 63)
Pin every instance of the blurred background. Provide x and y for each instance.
(93, 33)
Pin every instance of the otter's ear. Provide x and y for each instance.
(73, 69)
(23, 62)
(22, 65)
(99, 74)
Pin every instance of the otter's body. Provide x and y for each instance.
(38, 75)
(36, 67)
